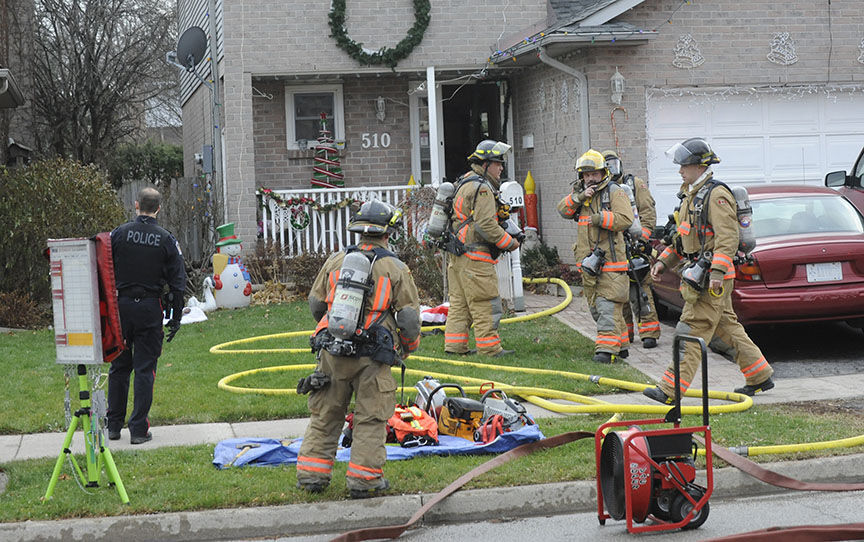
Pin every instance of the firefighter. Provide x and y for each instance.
(602, 212)
(380, 300)
(146, 258)
(477, 240)
(707, 242)
(641, 301)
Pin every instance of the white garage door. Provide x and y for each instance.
(794, 135)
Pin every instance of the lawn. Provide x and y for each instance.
(31, 401)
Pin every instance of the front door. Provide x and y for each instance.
(472, 113)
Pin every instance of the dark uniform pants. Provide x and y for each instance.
(373, 386)
(708, 316)
(473, 290)
(141, 320)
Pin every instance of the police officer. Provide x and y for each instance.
(471, 277)
(146, 258)
(602, 212)
(361, 367)
(641, 301)
(707, 235)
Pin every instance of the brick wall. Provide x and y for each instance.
(733, 37)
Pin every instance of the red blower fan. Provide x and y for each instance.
(650, 474)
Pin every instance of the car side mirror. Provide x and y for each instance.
(835, 178)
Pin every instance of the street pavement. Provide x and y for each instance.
(512, 502)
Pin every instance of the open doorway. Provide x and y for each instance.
(471, 114)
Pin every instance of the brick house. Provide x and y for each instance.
(777, 87)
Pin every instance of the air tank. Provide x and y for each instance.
(347, 308)
(440, 216)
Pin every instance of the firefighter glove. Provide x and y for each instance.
(313, 382)
(173, 326)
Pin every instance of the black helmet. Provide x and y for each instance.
(489, 150)
(375, 218)
(692, 151)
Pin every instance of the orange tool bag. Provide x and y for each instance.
(412, 427)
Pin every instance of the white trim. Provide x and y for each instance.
(414, 124)
(338, 110)
(609, 12)
(436, 125)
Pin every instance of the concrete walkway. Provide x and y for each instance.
(295, 520)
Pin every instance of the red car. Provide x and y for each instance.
(851, 185)
(808, 264)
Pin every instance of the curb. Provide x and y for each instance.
(340, 516)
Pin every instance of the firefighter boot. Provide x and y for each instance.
(383, 485)
(752, 390)
(649, 342)
(658, 395)
(603, 357)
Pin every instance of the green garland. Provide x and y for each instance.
(386, 55)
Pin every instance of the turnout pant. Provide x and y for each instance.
(708, 316)
(606, 295)
(141, 322)
(473, 289)
(372, 385)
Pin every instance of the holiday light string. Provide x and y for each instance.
(790, 92)
(616, 34)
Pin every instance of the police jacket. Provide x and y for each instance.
(392, 303)
(707, 222)
(146, 257)
(600, 222)
(475, 220)
(645, 205)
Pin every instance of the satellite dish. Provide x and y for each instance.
(191, 47)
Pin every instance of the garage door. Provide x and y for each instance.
(793, 135)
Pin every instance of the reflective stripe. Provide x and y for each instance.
(457, 208)
(455, 337)
(646, 233)
(463, 233)
(684, 228)
(570, 205)
(314, 464)
(584, 220)
(648, 326)
(615, 266)
(480, 257)
(324, 322)
(669, 378)
(667, 252)
(504, 241)
(365, 473)
(753, 369)
(608, 340)
(333, 278)
(707, 230)
(606, 219)
(410, 345)
(487, 341)
(721, 260)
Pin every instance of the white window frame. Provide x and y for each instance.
(338, 111)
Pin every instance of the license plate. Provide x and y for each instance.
(824, 272)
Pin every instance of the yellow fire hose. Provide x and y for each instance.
(538, 396)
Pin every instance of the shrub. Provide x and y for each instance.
(541, 261)
(18, 310)
(426, 266)
(55, 198)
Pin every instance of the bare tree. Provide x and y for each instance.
(98, 67)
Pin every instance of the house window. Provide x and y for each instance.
(303, 108)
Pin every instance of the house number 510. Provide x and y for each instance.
(372, 140)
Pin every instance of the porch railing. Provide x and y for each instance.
(302, 228)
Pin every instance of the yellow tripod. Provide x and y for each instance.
(96, 449)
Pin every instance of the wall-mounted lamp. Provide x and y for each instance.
(616, 86)
(380, 113)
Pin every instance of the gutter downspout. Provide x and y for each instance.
(583, 94)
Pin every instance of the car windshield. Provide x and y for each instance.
(804, 214)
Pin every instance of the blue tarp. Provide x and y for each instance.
(275, 452)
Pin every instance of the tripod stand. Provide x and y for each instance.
(96, 451)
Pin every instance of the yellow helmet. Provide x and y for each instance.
(591, 161)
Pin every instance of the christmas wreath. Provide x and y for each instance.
(386, 55)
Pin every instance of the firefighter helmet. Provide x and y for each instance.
(489, 150)
(375, 218)
(591, 161)
(692, 151)
(613, 164)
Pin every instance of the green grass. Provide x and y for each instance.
(187, 375)
(182, 479)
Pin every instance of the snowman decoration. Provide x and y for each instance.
(232, 288)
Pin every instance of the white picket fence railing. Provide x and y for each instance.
(327, 231)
